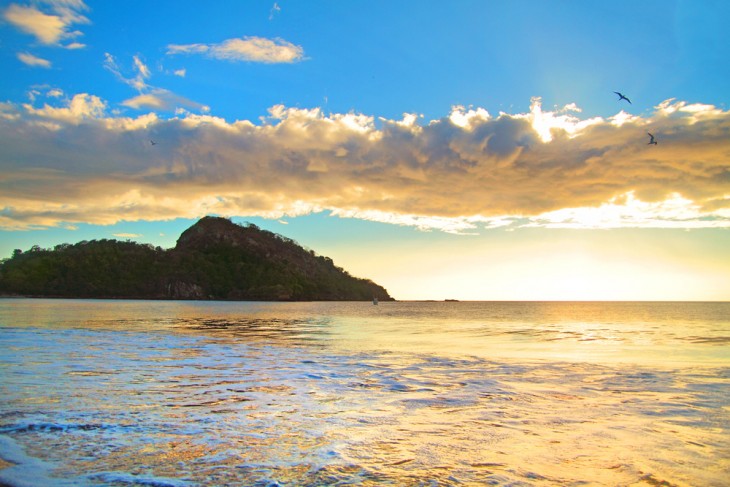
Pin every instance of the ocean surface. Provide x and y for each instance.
(150, 393)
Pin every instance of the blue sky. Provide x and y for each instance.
(419, 144)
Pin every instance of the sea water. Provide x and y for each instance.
(154, 393)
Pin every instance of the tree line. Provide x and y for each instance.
(272, 268)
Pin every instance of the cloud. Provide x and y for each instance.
(144, 71)
(138, 81)
(52, 26)
(274, 11)
(147, 100)
(252, 49)
(80, 108)
(48, 29)
(74, 162)
(128, 235)
(34, 61)
(149, 97)
(164, 100)
(9, 111)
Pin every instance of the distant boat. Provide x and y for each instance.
(375, 301)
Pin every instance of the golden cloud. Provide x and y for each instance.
(468, 169)
(49, 28)
(253, 49)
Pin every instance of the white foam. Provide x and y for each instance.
(29, 471)
(151, 481)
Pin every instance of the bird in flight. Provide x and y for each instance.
(153, 142)
(622, 97)
(653, 140)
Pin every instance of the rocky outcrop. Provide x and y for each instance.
(184, 290)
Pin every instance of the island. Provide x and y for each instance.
(215, 259)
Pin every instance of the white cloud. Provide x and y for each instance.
(457, 174)
(149, 96)
(146, 100)
(33, 94)
(138, 81)
(9, 111)
(81, 107)
(180, 72)
(253, 49)
(35, 61)
(142, 69)
(50, 27)
(128, 235)
(274, 11)
(159, 99)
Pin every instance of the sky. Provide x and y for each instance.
(473, 150)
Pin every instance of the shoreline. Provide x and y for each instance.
(391, 300)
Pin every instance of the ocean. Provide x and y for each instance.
(163, 393)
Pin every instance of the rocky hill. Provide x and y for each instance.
(213, 259)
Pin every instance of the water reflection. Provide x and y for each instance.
(618, 332)
(274, 329)
(312, 394)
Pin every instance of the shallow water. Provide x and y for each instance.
(200, 393)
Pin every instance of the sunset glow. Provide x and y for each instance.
(373, 243)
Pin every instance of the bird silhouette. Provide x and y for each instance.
(653, 140)
(622, 97)
(153, 142)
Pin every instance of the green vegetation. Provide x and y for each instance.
(213, 259)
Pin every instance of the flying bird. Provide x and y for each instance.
(622, 97)
(653, 140)
(153, 142)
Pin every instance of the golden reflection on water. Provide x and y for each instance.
(539, 428)
(291, 395)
